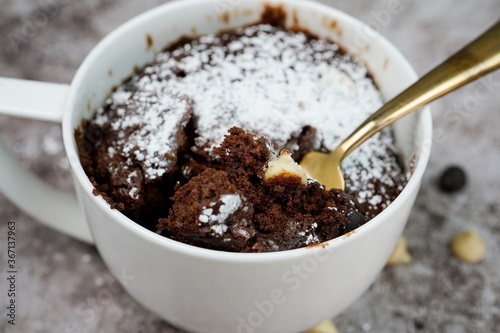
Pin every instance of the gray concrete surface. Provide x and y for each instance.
(63, 285)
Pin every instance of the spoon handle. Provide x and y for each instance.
(473, 61)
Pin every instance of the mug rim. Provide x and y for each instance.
(425, 121)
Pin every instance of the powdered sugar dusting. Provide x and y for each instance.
(230, 203)
(133, 193)
(151, 119)
(268, 81)
(274, 85)
(310, 234)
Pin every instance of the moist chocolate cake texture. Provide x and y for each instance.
(241, 210)
(182, 146)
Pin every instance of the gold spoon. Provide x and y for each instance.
(473, 61)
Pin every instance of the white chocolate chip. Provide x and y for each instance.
(400, 255)
(334, 76)
(325, 327)
(285, 166)
(469, 247)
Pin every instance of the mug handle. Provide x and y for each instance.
(56, 209)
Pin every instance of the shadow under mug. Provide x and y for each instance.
(197, 289)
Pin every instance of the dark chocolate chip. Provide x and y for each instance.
(355, 220)
(452, 179)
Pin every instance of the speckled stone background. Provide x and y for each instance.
(63, 285)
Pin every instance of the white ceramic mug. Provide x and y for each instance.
(193, 288)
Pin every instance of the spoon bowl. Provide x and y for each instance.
(314, 163)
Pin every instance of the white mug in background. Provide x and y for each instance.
(193, 288)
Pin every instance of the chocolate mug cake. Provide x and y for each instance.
(184, 145)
